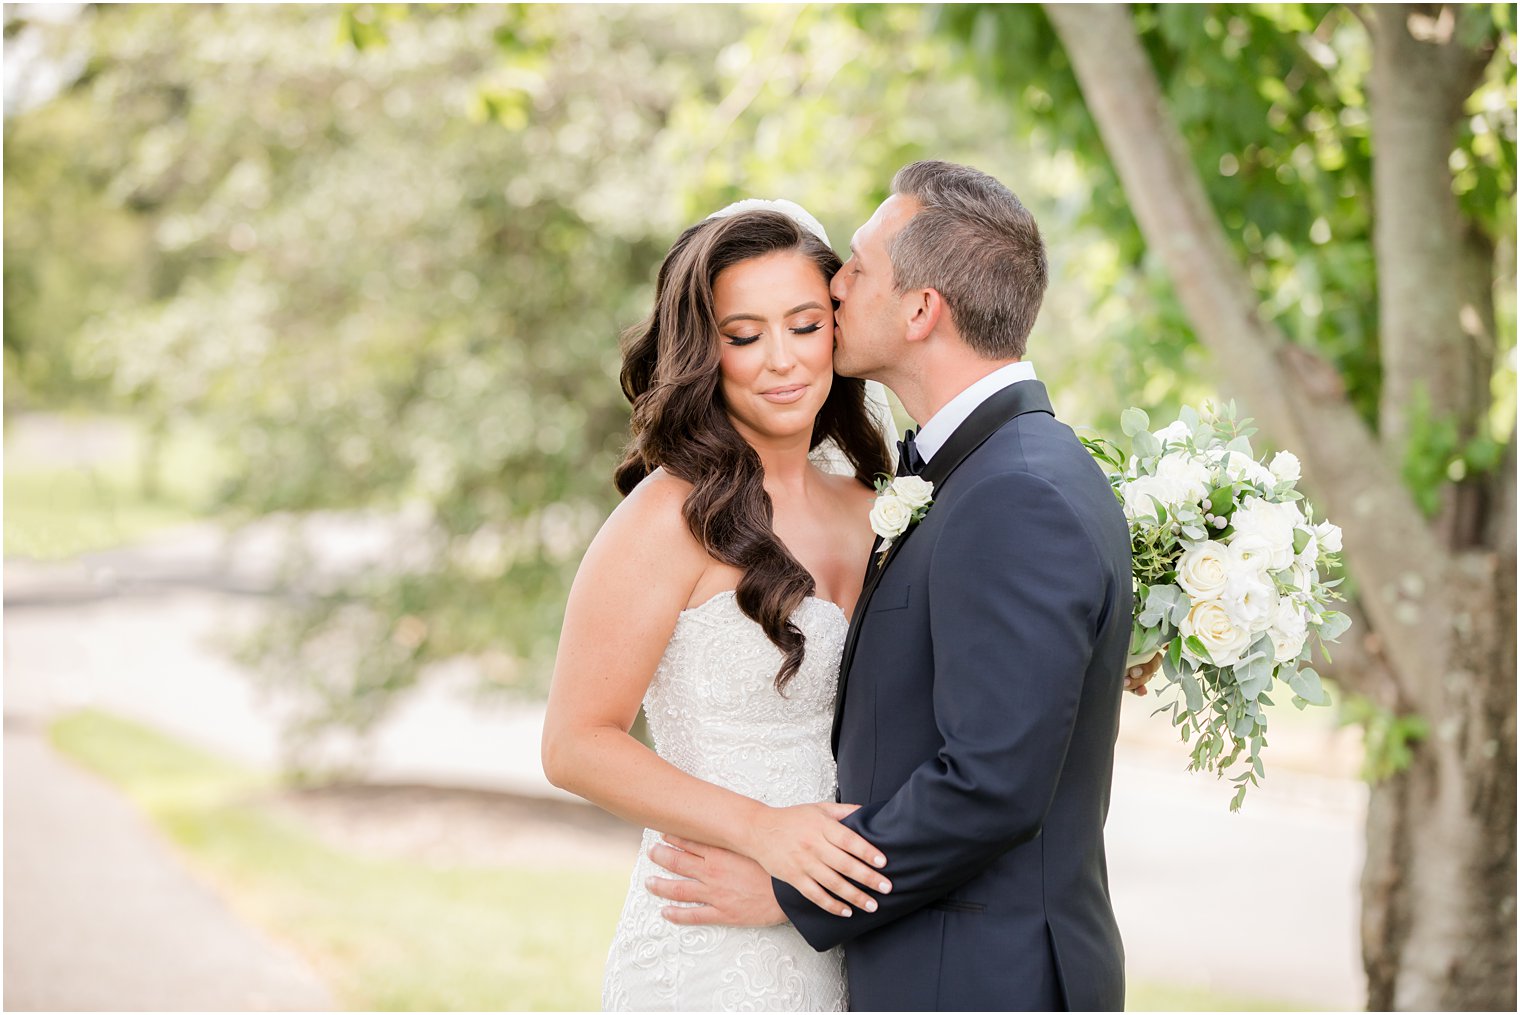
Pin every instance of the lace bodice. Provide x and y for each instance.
(714, 712)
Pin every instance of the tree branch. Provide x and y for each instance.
(1294, 394)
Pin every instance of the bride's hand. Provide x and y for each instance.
(808, 848)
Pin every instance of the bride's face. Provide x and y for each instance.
(776, 334)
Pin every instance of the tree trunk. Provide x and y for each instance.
(1439, 882)
(1449, 821)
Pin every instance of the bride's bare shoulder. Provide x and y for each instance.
(651, 515)
(659, 492)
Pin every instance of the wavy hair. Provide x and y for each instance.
(671, 375)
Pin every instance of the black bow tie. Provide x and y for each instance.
(909, 461)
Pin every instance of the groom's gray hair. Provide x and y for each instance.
(976, 244)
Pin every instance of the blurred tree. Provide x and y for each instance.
(385, 253)
(1331, 195)
(375, 291)
(70, 250)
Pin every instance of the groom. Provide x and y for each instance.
(979, 691)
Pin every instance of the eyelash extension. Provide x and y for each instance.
(746, 340)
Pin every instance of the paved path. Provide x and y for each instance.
(101, 915)
(1257, 904)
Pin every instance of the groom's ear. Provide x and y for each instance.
(922, 310)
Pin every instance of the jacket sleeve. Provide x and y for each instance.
(1016, 590)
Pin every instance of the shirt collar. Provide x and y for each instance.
(933, 434)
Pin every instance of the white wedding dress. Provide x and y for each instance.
(714, 711)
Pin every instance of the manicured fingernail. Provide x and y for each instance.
(845, 911)
(870, 906)
(880, 861)
(886, 886)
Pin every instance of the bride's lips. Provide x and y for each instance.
(790, 393)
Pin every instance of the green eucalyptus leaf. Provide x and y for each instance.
(1193, 692)
(1134, 421)
(1306, 684)
(1333, 625)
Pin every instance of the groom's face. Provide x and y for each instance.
(869, 323)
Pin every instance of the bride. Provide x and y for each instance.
(718, 595)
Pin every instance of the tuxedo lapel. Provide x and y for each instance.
(986, 420)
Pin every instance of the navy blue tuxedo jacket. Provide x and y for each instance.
(978, 708)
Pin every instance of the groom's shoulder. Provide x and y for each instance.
(1039, 446)
(1036, 443)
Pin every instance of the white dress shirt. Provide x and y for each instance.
(933, 434)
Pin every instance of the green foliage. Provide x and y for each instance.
(1271, 103)
(1388, 738)
(1435, 454)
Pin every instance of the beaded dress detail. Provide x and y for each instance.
(714, 712)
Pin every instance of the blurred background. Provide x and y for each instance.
(310, 331)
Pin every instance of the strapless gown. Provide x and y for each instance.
(714, 712)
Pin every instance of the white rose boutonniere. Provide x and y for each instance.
(899, 504)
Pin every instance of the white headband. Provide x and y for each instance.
(791, 209)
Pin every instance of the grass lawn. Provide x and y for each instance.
(392, 934)
(53, 512)
(384, 934)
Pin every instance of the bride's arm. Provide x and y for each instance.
(635, 579)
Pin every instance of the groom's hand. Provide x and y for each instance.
(1136, 677)
(731, 889)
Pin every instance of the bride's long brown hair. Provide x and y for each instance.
(671, 375)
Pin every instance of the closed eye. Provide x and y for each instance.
(808, 330)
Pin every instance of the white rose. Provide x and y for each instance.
(1310, 553)
(1137, 497)
(889, 516)
(1250, 599)
(1239, 466)
(1329, 536)
(914, 491)
(1174, 433)
(1211, 624)
(1185, 476)
(1302, 576)
(1285, 467)
(1233, 461)
(1274, 523)
(1203, 571)
(1250, 550)
(1289, 631)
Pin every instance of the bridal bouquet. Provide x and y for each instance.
(1228, 561)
